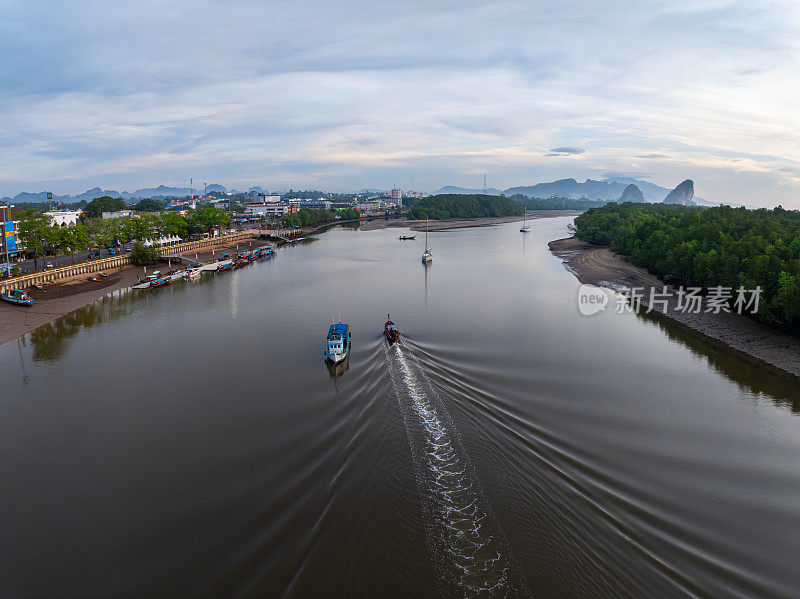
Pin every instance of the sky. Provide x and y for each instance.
(344, 95)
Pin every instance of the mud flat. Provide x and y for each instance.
(599, 266)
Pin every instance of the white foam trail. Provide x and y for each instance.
(461, 531)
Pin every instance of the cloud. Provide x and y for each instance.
(204, 89)
(565, 151)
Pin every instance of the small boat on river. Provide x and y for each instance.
(17, 297)
(338, 343)
(426, 255)
(407, 237)
(390, 330)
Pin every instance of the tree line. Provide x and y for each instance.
(453, 205)
(709, 247)
(41, 237)
(556, 203)
(306, 217)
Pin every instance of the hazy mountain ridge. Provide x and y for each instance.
(492, 191)
(611, 189)
(160, 192)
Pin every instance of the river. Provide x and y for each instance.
(190, 441)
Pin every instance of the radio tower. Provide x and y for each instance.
(484, 183)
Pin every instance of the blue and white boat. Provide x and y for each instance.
(338, 346)
(16, 296)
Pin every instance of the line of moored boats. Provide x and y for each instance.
(20, 297)
(224, 263)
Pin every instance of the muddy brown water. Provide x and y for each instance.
(190, 441)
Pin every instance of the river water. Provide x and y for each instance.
(190, 441)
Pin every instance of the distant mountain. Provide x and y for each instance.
(682, 194)
(463, 190)
(570, 188)
(215, 187)
(631, 194)
(610, 189)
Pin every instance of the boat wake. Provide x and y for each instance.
(472, 554)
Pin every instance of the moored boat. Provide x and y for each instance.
(338, 343)
(426, 255)
(162, 282)
(223, 266)
(17, 297)
(390, 330)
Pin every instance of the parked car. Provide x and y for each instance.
(48, 265)
(112, 251)
(94, 254)
(128, 248)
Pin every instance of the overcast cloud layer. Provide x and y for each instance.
(345, 95)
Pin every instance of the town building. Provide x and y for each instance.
(320, 204)
(64, 218)
(271, 209)
(8, 233)
(371, 205)
(397, 195)
(117, 214)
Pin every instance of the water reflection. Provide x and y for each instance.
(49, 342)
(748, 374)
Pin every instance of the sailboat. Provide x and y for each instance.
(426, 256)
(525, 228)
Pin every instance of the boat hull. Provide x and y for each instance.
(17, 302)
(334, 359)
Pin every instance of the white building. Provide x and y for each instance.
(375, 205)
(320, 204)
(271, 209)
(117, 214)
(64, 218)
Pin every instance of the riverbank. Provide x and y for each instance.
(599, 266)
(61, 297)
(462, 223)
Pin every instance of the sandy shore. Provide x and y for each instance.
(598, 266)
(461, 223)
(65, 295)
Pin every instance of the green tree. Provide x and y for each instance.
(464, 206)
(206, 218)
(97, 206)
(172, 223)
(148, 205)
(37, 233)
(69, 240)
(142, 254)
